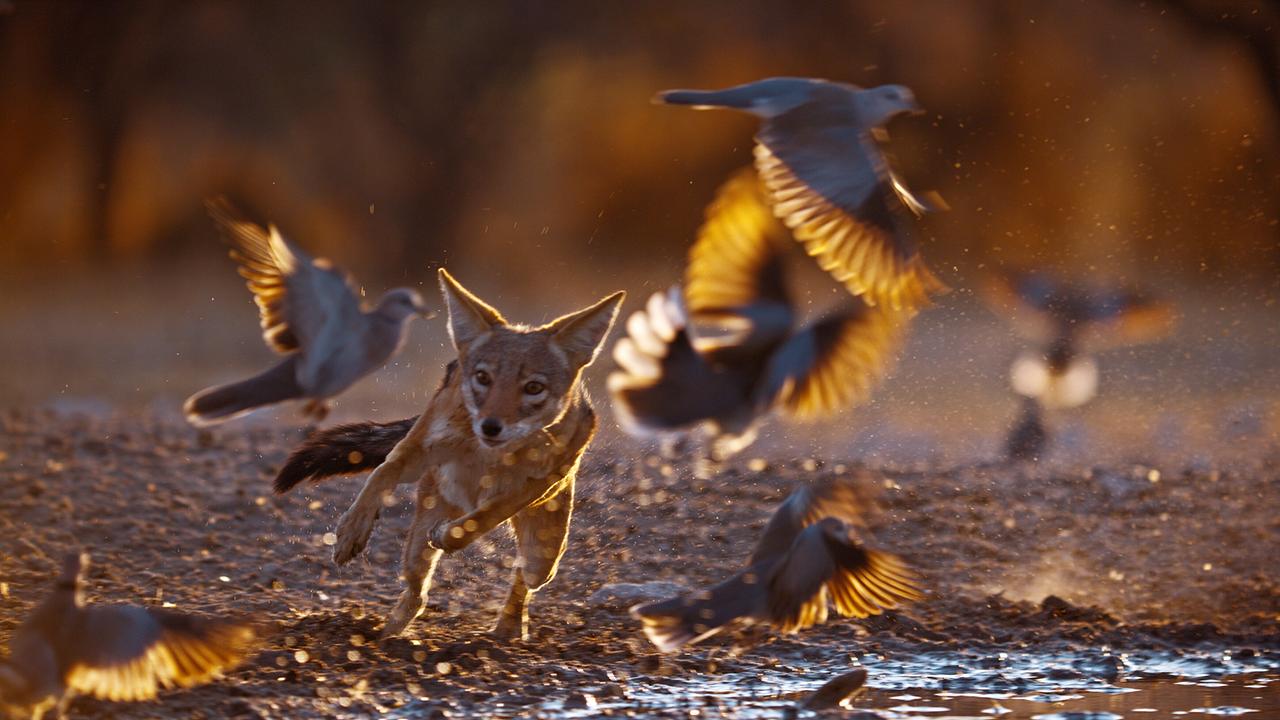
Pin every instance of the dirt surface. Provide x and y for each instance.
(1082, 559)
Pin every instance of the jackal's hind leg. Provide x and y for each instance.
(542, 533)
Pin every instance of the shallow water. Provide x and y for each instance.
(949, 685)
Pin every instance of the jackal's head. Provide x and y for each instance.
(514, 379)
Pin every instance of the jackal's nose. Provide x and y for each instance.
(491, 427)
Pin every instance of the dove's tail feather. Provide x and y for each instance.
(673, 623)
(224, 402)
(662, 382)
(341, 450)
(739, 97)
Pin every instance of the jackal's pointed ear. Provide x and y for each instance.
(581, 334)
(469, 316)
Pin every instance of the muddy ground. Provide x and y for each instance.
(1065, 557)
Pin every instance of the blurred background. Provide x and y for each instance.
(515, 142)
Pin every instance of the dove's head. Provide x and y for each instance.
(402, 303)
(878, 105)
(517, 380)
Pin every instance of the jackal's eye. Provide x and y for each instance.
(482, 378)
(533, 387)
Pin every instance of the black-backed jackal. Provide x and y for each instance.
(500, 441)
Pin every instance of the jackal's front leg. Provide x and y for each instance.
(419, 562)
(542, 533)
(455, 535)
(406, 463)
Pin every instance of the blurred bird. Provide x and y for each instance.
(751, 357)
(1067, 318)
(811, 553)
(310, 314)
(112, 652)
(818, 153)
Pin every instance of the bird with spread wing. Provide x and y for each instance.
(730, 349)
(311, 314)
(820, 157)
(1067, 319)
(810, 557)
(113, 652)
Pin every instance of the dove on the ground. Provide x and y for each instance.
(310, 313)
(819, 155)
(112, 652)
(811, 555)
(732, 348)
(1068, 319)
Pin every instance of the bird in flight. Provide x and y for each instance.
(729, 348)
(820, 157)
(310, 313)
(811, 556)
(1066, 320)
(112, 652)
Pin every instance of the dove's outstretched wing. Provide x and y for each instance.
(832, 186)
(1126, 317)
(303, 302)
(827, 561)
(735, 260)
(126, 652)
(833, 363)
(662, 381)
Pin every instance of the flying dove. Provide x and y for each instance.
(818, 153)
(310, 314)
(811, 554)
(1067, 318)
(112, 652)
(671, 377)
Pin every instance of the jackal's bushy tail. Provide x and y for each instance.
(341, 450)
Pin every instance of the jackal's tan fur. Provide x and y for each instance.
(526, 384)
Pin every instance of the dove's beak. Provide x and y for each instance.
(425, 312)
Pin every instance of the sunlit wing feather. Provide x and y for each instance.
(735, 260)
(831, 186)
(300, 299)
(834, 363)
(129, 653)
(826, 564)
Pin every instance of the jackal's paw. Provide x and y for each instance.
(509, 630)
(447, 536)
(406, 611)
(354, 529)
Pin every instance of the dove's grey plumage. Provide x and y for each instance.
(671, 380)
(309, 313)
(113, 652)
(809, 554)
(830, 182)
